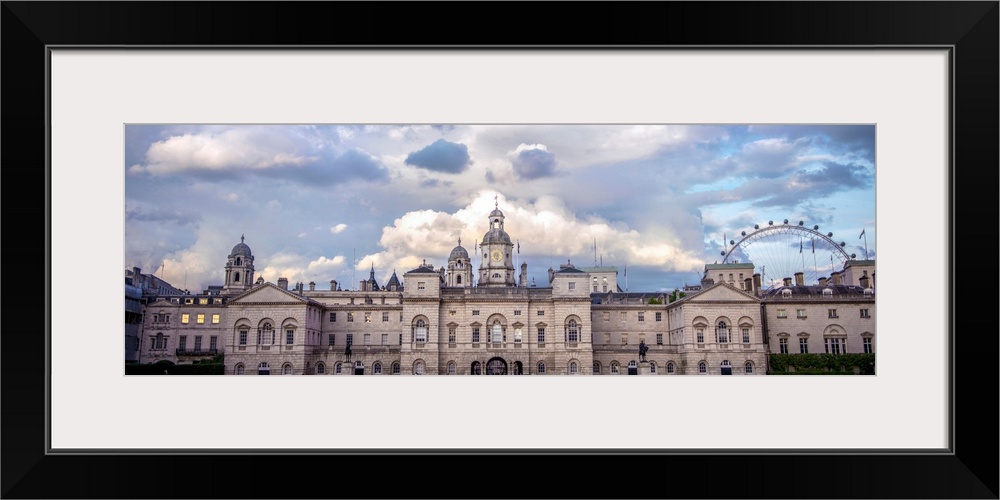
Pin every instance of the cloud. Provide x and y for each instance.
(237, 149)
(175, 216)
(430, 183)
(533, 161)
(338, 228)
(441, 156)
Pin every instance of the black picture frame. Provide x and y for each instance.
(970, 29)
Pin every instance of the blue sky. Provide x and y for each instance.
(309, 198)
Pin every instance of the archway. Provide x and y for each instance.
(496, 366)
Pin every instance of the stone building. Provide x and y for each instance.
(458, 320)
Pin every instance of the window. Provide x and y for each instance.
(782, 313)
(350, 317)
(203, 301)
(836, 345)
(320, 368)
(659, 316)
(368, 317)
(607, 338)
(240, 369)
(700, 333)
(614, 368)
(652, 368)
(182, 343)
(418, 367)
(670, 367)
(243, 336)
(289, 337)
(517, 312)
(572, 285)
(722, 333)
(421, 285)
(748, 368)
(746, 335)
(783, 346)
(659, 339)
(517, 335)
(421, 331)
(624, 339)
(263, 368)
(395, 368)
(266, 335)
(541, 367)
(331, 339)
(385, 317)
(831, 313)
(607, 316)
(541, 313)
(624, 316)
(337, 368)
(867, 343)
(350, 338)
(475, 335)
(597, 368)
(451, 334)
(452, 369)
(197, 343)
(385, 339)
(642, 316)
(864, 313)
(803, 346)
(333, 317)
(573, 368)
(213, 343)
(215, 319)
(200, 319)
(572, 332)
(475, 312)
(368, 339)
(702, 367)
(286, 369)
(541, 335)
(496, 333)
(377, 368)
(189, 301)
(800, 313)
(185, 318)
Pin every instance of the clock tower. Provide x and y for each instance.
(497, 268)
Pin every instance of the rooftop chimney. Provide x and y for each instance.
(822, 281)
(836, 277)
(333, 285)
(748, 285)
(864, 281)
(788, 281)
(283, 283)
(799, 278)
(756, 283)
(312, 286)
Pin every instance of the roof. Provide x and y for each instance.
(606, 269)
(459, 252)
(859, 263)
(741, 265)
(422, 269)
(393, 280)
(815, 290)
(568, 270)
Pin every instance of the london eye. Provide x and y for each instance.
(779, 250)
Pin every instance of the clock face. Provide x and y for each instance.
(496, 255)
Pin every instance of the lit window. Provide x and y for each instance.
(800, 313)
(702, 367)
(203, 301)
(189, 301)
(215, 319)
(185, 318)
(350, 317)
(200, 319)
(783, 346)
(368, 317)
(867, 343)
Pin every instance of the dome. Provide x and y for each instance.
(496, 235)
(496, 212)
(459, 252)
(241, 249)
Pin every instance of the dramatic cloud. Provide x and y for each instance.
(532, 161)
(175, 216)
(441, 156)
(237, 149)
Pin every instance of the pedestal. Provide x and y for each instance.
(644, 368)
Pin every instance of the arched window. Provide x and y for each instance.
(239, 262)
(477, 368)
(572, 331)
(418, 367)
(670, 367)
(615, 369)
(159, 344)
(420, 331)
(377, 368)
(320, 368)
(632, 364)
(338, 368)
(541, 367)
(286, 369)
(726, 368)
(458, 279)
(702, 367)
(573, 368)
(395, 368)
(748, 368)
(597, 367)
(266, 335)
(452, 369)
(496, 332)
(652, 368)
(239, 369)
(263, 368)
(722, 333)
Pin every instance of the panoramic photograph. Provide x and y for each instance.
(496, 249)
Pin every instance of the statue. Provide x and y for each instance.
(347, 351)
(642, 350)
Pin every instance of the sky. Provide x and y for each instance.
(324, 202)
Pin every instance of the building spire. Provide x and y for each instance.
(241, 238)
(372, 276)
(460, 240)
(496, 204)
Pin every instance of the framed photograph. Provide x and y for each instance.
(112, 92)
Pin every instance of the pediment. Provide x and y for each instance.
(268, 293)
(722, 292)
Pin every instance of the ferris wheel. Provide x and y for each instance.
(779, 250)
